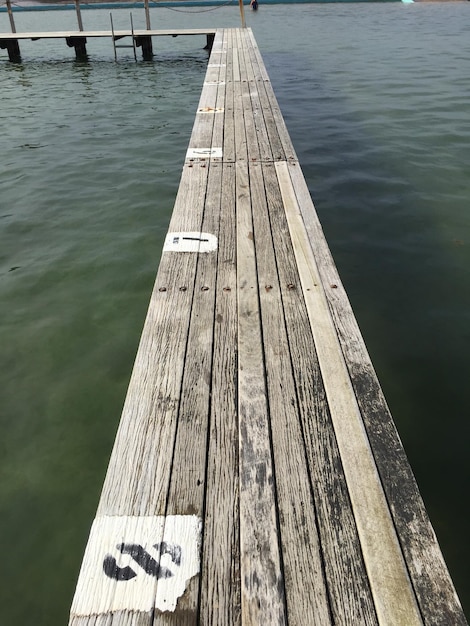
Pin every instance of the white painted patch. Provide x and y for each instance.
(211, 110)
(219, 51)
(137, 564)
(190, 242)
(204, 153)
(216, 65)
(186, 530)
(211, 83)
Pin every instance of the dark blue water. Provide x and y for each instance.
(376, 97)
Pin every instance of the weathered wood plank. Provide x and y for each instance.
(220, 576)
(235, 66)
(130, 519)
(188, 476)
(393, 595)
(259, 147)
(201, 135)
(264, 143)
(436, 594)
(302, 558)
(241, 147)
(150, 409)
(219, 121)
(348, 585)
(286, 142)
(244, 44)
(257, 55)
(253, 153)
(262, 591)
(229, 127)
(258, 86)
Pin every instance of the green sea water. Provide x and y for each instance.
(376, 98)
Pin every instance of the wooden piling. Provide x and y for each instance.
(209, 41)
(147, 14)
(13, 49)
(11, 45)
(79, 15)
(10, 15)
(79, 43)
(145, 42)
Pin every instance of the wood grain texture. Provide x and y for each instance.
(438, 601)
(241, 148)
(229, 125)
(188, 476)
(262, 590)
(275, 111)
(220, 576)
(348, 586)
(137, 479)
(302, 559)
(393, 595)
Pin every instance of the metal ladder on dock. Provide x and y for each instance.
(117, 38)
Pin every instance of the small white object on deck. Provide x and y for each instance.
(204, 153)
(190, 242)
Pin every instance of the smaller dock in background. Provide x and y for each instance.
(77, 39)
(257, 476)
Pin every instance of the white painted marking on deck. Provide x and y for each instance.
(190, 242)
(186, 529)
(204, 153)
(216, 65)
(137, 564)
(211, 83)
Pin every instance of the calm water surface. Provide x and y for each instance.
(377, 101)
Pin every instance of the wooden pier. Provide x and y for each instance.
(77, 39)
(257, 476)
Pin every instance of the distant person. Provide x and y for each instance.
(254, 4)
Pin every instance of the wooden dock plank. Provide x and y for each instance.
(276, 114)
(257, 135)
(219, 121)
(229, 124)
(262, 590)
(188, 475)
(348, 586)
(155, 384)
(220, 576)
(438, 600)
(394, 600)
(253, 153)
(133, 502)
(201, 136)
(254, 51)
(302, 559)
(260, 86)
(241, 146)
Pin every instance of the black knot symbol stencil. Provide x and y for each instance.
(150, 566)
